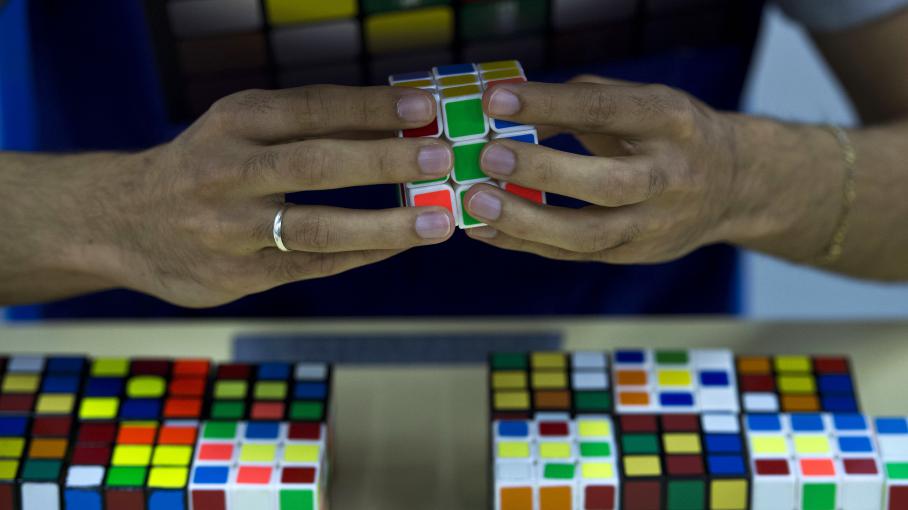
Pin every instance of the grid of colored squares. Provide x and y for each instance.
(828, 461)
(118, 433)
(460, 118)
(796, 384)
(524, 384)
(260, 465)
(681, 461)
(211, 48)
(674, 381)
(555, 463)
(270, 391)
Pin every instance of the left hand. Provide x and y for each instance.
(660, 182)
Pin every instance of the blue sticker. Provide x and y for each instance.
(764, 422)
(714, 378)
(513, 429)
(262, 430)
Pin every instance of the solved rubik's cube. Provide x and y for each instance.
(83, 434)
(458, 91)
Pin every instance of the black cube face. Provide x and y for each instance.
(208, 49)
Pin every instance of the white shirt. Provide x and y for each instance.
(831, 15)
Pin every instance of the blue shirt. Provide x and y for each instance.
(80, 76)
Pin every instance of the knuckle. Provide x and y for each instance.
(544, 169)
(312, 163)
(258, 163)
(387, 162)
(229, 111)
(313, 106)
(656, 182)
(597, 107)
(324, 264)
(315, 232)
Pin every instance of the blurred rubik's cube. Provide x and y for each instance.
(460, 119)
(155, 434)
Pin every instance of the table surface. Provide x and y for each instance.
(415, 436)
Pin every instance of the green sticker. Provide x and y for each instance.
(121, 476)
(597, 449)
(819, 496)
(303, 410)
(897, 470)
(228, 409)
(509, 361)
(467, 219)
(465, 118)
(671, 357)
(219, 430)
(558, 472)
(639, 444)
(41, 470)
(466, 162)
(686, 495)
(592, 401)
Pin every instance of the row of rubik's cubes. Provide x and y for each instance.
(92, 434)
(667, 381)
(458, 91)
(708, 461)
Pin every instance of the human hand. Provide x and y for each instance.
(192, 219)
(660, 181)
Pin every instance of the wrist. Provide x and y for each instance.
(783, 191)
(92, 224)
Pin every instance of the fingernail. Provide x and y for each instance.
(415, 108)
(483, 232)
(434, 159)
(485, 205)
(503, 102)
(498, 159)
(433, 225)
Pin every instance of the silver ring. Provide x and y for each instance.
(277, 228)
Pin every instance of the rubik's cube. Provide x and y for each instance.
(149, 434)
(524, 384)
(680, 443)
(796, 384)
(458, 91)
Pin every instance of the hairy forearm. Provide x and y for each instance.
(789, 196)
(53, 225)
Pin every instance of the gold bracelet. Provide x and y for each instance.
(849, 193)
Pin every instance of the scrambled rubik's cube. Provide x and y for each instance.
(679, 441)
(458, 91)
(143, 434)
(549, 382)
(796, 384)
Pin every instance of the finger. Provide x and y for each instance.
(271, 116)
(610, 182)
(631, 110)
(330, 164)
(281, 268)
(504, 241)
(601, 80)
(586, 230)
(331, 229)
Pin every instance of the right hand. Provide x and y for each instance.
(190, 221)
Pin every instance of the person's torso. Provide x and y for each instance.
(126, 75)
